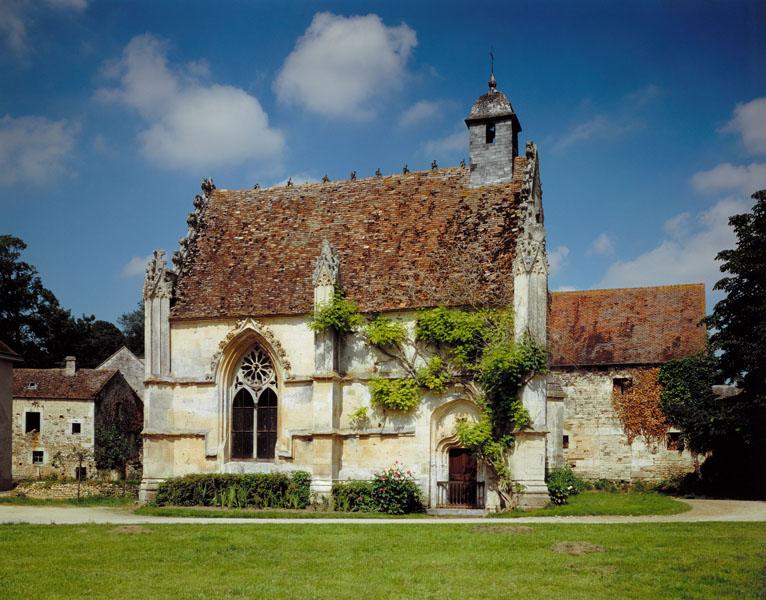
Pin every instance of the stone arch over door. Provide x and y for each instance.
(444, 422)
(248, 336)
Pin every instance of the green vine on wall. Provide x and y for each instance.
(473, 350)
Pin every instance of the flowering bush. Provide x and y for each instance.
(563, 483)
(392, 491)
(395, 491)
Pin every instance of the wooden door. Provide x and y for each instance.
(462, 477)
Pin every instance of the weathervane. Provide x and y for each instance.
(492, 80)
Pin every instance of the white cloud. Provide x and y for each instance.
(34, 149)
(745, 179)
(557, 259)
(602, 245)
(70, 4)
(15, 16)
(678, 225)
(342, 66)
(688, 258)
(566, 288)
(622, 119)
(189, 125)
(448, 145)
(296, 179)
(420, 111)
(749, 121)
(135, 266)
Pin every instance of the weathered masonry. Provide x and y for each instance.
(56, 410)
(237, 382)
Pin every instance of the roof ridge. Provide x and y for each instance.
(622, 289)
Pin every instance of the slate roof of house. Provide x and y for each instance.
(85, 384)
(404, 241)
(649, 325)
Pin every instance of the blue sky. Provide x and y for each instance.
(650, 118)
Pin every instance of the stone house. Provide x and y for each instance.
(131, 367)
(603, 345)
(7, 358)
(237, 381)
(55, 410)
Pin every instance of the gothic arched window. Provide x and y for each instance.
(254, 409)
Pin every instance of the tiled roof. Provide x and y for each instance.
(404, 241)
(626, 326)
(85, 384)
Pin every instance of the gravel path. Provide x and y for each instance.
(702, 511)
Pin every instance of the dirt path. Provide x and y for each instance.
(702, 511)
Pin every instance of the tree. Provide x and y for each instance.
(30, 315)
(738, 322)
(132, 324)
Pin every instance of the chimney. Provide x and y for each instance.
(70, 368)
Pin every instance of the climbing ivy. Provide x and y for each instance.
(473, 350)
(339, 314)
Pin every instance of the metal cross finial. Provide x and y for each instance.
(492, 80)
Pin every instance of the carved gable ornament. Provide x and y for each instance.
(327, 267)
(159, 280)
(263, 331)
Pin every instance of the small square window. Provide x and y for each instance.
(37, 457)
(32, 422)
(76, 428)
(565, 442)
(80, 473)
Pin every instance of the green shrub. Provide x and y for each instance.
(353, 496)
(383, 332)
(256, 490)
(395, 394)
(562, 483)
(393, 491)
(340, 314)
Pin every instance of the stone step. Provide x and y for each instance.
(457, 512)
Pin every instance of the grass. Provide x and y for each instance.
(663, 560)
(607, 503)
(202, 511)
(84, 501)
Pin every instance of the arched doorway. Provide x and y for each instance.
(254, 407)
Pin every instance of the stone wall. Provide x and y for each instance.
(131, 367)
(55, 435)
(6, 410)
(597, 444)
(491, 163)
(64, 490)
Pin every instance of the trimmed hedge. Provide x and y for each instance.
(256, 490)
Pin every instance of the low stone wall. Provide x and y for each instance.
(63, 490)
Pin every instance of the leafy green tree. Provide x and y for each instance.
(738, 322)
(132, 324)
(31, 318)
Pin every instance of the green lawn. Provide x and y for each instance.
(607, 503)
(202, 511)
(260, 560)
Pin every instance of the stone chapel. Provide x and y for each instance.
(237, 382)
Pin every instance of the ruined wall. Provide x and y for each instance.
(119, 406)
(55, 435)
(598, 445)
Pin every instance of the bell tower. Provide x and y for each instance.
(493, 137)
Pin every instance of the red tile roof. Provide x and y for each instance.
(85, 384)
(626, 326)
(405, 241)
